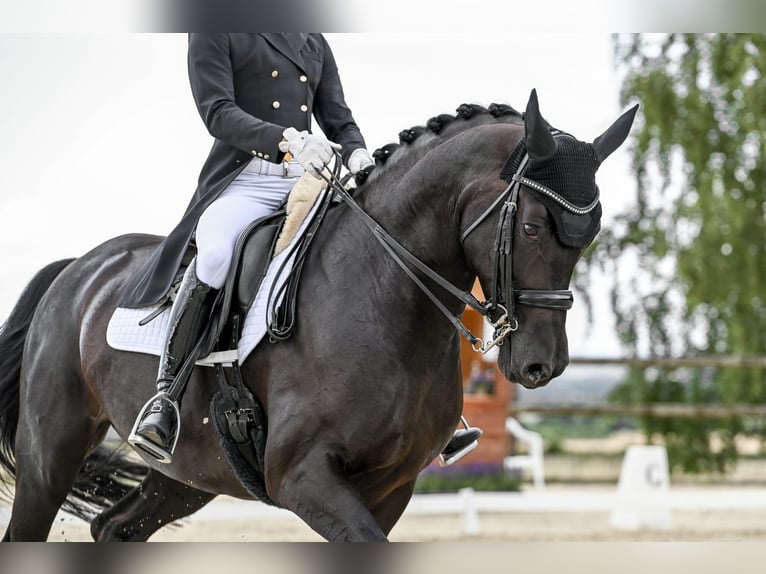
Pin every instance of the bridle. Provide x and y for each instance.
(500, 308)
(504, 297)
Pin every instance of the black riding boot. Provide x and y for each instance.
(156, 429)
(462, 442)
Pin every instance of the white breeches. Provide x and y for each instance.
(250, 196)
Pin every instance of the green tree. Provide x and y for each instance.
(690, 256)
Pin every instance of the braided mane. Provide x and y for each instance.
(437, 130)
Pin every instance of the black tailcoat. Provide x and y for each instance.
(248, 88)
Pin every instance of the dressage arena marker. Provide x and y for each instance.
(470, 514)
(643, 490)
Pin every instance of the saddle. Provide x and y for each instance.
(252, 255)
(237, 414)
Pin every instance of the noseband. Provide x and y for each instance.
(500, 309)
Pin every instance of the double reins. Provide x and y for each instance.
(404, 259)
(500, 308)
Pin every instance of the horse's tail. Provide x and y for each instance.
(105, 476)
(13, 333)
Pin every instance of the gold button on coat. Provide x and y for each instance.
(275, 105)
(304, 79)
(304, 108)
(275, 73)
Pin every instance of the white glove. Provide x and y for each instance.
(360, 158)
(312, 151)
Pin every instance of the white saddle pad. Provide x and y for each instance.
(125, 334)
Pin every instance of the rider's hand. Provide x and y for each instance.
(360, 158)
(312, 151)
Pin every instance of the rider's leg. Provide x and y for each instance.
(248, 198)
(156, 430)
(227, 217)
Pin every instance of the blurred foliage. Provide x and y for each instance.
(689, 257)
(555, 429)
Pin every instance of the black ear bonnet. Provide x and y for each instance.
(571, 173)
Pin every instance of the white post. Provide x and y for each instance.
(536, 454)
(643, 491)
(534, 460)
(471, 524)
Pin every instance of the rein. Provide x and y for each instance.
(500, 308)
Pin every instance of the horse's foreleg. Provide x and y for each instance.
(323, 498)
(157, 501)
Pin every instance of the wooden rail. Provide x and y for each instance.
(660, 410)
(653, 410)
(728, 361)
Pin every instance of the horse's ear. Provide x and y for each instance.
(613, 137)
(539, 140)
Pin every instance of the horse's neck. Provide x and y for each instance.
(418, 211)
(416, 200)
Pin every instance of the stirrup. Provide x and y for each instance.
(154, 450)
(457, 455)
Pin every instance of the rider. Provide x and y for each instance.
(257, 94)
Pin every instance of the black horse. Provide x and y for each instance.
(367, 391)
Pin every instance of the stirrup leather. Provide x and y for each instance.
(154, 450)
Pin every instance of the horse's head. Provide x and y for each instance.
(549, 213)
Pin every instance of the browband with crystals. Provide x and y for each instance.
(556, 197)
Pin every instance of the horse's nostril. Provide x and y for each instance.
(537, 372)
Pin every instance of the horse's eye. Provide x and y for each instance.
(530, 230)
